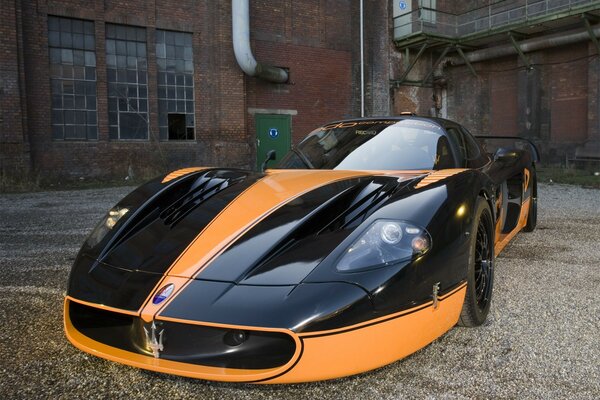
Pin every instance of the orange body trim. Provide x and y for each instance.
(318, 355)
(101, 306)
(502, 239)
(352, 351)
(98, 349)
(149, 311)
(382, 319)
(438, 176)
(249, 208)
(180, 172)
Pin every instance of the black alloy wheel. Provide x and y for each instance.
(480, 271)
(483, 266)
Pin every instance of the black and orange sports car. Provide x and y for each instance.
(369, 240)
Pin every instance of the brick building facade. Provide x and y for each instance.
(106, 88)
(56, 125)
(548, 94)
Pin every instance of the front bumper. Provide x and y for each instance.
(198, 349)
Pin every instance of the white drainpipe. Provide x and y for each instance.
(240, 21)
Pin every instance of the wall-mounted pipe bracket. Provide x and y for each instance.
(466, 60)
(436, 63)
(412, 64)
(588, 27)
(519, 51)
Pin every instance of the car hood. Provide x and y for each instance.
(249, 228)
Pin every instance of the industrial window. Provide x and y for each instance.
(428, 13)
(72, 45)
(175, 85)
(127, 77)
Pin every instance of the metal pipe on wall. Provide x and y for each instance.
(362, 63)
(240, 26)
(528, 45)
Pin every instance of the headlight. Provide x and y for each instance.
(114, 216)
(385, 242)
(106, 224)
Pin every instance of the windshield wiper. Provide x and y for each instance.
(302, 157)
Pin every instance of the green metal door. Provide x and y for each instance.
(273, 132)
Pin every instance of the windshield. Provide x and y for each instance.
(373, 145)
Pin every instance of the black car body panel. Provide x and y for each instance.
(286, 275)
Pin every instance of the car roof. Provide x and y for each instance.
(438, 121)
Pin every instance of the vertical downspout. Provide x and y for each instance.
(362, 64)
(240, 29)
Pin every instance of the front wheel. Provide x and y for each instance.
(480, 271)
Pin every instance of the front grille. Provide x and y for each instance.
(195, 344)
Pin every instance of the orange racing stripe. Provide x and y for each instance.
(249, 208)
(438, 176)
(180, 172)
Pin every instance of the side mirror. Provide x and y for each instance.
(271, 155)
(505, 155)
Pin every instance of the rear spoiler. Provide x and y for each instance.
(519, 143)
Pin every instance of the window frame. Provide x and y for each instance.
(126, 49)
(175, 82)
(73, 79)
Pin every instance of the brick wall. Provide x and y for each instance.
(555, 103)
(313, 39)
(14, 144)
(568, 90)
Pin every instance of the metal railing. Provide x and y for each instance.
(496, 16)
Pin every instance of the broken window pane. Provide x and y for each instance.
(175, 85)
(127, 101)
(177, 129)
(73, 86)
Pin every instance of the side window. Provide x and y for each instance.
(471, 146)
(458, 143)
(444, 158)
(475, 156)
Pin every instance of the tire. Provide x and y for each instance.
(532, 214)
(480, 271)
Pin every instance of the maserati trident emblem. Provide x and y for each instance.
(163, 293)
(152, 341)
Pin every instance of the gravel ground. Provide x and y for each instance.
(541, 339)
